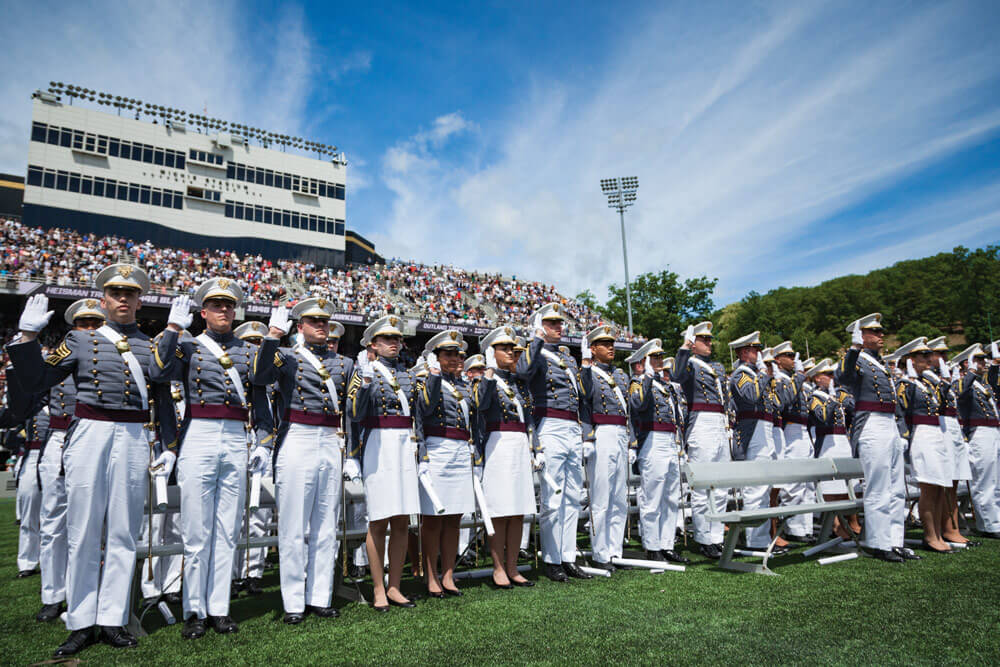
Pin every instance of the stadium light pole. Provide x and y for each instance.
(621, 193)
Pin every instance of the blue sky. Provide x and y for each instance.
(775, 143)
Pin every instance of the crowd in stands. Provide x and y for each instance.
(432, 293)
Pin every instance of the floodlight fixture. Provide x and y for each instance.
(621, 193)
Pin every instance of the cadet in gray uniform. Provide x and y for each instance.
(83, 315)
(107, 451)
(606, 450)
(381, 398)
(875, 438)
(658, 419)
(977, 410)
(29, 492)
(553, 381)
(708, 435)
(214, 442)
(790, 381)
(312, 388)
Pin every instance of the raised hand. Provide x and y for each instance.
(36, 314)
(433, 365)
(856, 339)
(798, 364)
(180, 316)
(279, 324)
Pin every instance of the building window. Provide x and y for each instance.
(34, 176)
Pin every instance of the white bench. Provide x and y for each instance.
(720, 477)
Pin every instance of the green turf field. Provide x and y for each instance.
(943, 609)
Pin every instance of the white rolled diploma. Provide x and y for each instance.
(554, 499)
(477, 487)
(425, 481)
(161, 491)
(255, 492)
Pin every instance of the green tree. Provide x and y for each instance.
(662, 305)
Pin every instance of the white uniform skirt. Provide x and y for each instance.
(835, 446)
(931, 455)
(963, 470)
(508, 483)
(450, 466)
(390, 474)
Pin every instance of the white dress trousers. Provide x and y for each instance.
(561, 441)
(835, 446)
(880, 448)
(390, 473)
(607, 473)
(761, 447)
(308, 483)
(106, 466)
(508, 483)
(258, 523)
(166, 569)
(659, 494)
(29, 503)
(52, 521)
(211, 473)
(797, 445)
(707, 442)
(985, 485)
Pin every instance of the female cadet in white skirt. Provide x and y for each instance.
(930, 450)
(830, 410)
(382, 398)
(446, 459)
(941, 375)
(507, 475)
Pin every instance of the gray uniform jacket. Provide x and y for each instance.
(919, 403)
(977, 401)
(755, 401)
(209, 390)
(654, 405)
(368, 403)
(600, 405)
(300, 393)
(701, 386)
(870, 385)
(497, 409)
(548, 382)
(828, 415)
(440, 414)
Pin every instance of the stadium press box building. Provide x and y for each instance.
(176, 186)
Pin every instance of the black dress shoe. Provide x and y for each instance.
(992, 536)
(710, 551)
(527, 583)
(293, 618)
(672, 556)
(49, 612)
(409, 604)
(906, 553)
(76, 642)
(779, 551)
(322, 612)
(927, 547)
(118, 637)
(355, 572)
(252, 586)
(801, 539)
(453, 592)
(223, 625)
(237, 586)
(555, 572)
(24, 574)
(572, 570)
(972, 544)
(655, 556)
(194, 628)
(523, 554)
(607, 567)
(887, 556)
(172, 598)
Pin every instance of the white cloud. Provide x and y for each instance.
(746, 129)
(185, 54)
(351, 63)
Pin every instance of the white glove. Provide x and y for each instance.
(536, 326)
(647, 369)
(689, 334)
(180, 311)
(833, 386)
(433, 365)
(761, 366)
(279, 320)
(943, 369)
(588, 449)
(259, 458)
(856, 338)
(164, 463)
(491, 357)
(910, 371)
(798, 364)
(364, 366)
(585, 353)
(352, 469)
(538, 461)
(36, 314)
(774, 368)
(631, 456)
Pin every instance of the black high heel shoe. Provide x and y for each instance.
(454, 592)
(503, 587)
(927, 547)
